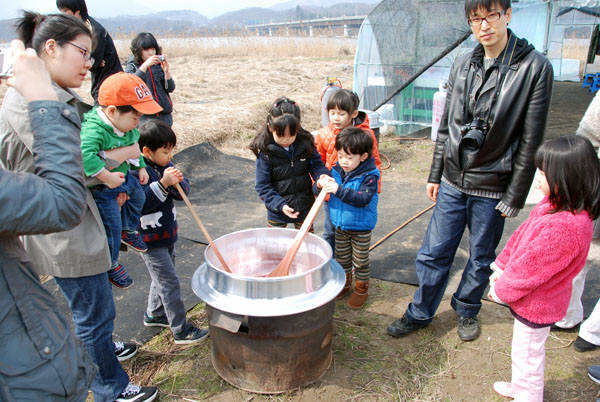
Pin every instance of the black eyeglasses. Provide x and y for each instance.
(85, 53)
(491, 17)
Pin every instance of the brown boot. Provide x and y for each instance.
(360, 294)
(346, 287)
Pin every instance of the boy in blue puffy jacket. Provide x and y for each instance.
(353, 208)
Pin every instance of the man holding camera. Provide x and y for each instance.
(483, 163)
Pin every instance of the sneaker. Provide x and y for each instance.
(152, 321)
(134, 240)
(581, 345)
(125, 351)
(503, 388)
(119, 277)
(594, 373)
(555, 327)
(404, 326)
(135, 393)
(468, 328)
(190, 335)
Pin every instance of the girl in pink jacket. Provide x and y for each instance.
(534, 272)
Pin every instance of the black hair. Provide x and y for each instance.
(125, 108)
(284, 113)
(35, 29)
(471, 6)
(156, 134)
(143, 40)
(74, 6)
(355, 141)
(343, 99)
(572, 170)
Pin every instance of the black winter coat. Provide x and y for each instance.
(505, 161)
(284, 177)
(104, 51)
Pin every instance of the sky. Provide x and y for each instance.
(112, 8)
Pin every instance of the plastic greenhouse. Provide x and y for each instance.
(406, 48)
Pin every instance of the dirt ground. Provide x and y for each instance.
(223, 100)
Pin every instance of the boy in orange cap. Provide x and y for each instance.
(123, 99)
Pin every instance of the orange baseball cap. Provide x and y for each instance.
(123, 89)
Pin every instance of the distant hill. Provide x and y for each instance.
(166, 22)
(188, 22)
(252, 16)
(317, 3)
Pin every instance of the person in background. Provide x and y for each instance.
(78, 258)
(40, 357)
(534, 273)
(158, 227)
(148, 63)
(287, 163)
(343, 111)
(353, 208)
(493, 122)
(588, 338)
(104, 57)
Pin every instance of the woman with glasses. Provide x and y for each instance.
(79, 258)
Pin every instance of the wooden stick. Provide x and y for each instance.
(283, 269)
(387, 236)
(199, 222)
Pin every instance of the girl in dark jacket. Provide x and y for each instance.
(148, 63)
(287, 163)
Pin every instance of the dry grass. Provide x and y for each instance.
(275, 47)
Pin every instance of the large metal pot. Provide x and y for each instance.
(269, 335)
(315, 278)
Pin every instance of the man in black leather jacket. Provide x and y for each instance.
(483, 162)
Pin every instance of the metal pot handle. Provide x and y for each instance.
(227, 321)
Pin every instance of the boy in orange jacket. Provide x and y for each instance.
(343, 111)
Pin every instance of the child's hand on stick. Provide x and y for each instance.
(171, 176)
(331, 186)
(323, 180)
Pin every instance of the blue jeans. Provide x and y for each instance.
(164, 298)
(455, 211)
(91, 302)
(115, 220)
(328, 229)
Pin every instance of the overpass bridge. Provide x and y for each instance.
(342, 26)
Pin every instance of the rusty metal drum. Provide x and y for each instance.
(273, 354)
(269, 335)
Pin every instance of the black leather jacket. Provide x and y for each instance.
(505, 161)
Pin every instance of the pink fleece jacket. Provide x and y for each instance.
(540, 260)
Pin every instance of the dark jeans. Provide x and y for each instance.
(115, 220)
(164, 298)
(91, 301)
(455, 211)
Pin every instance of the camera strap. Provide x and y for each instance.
(503, 68)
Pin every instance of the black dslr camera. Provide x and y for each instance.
(473, 134)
